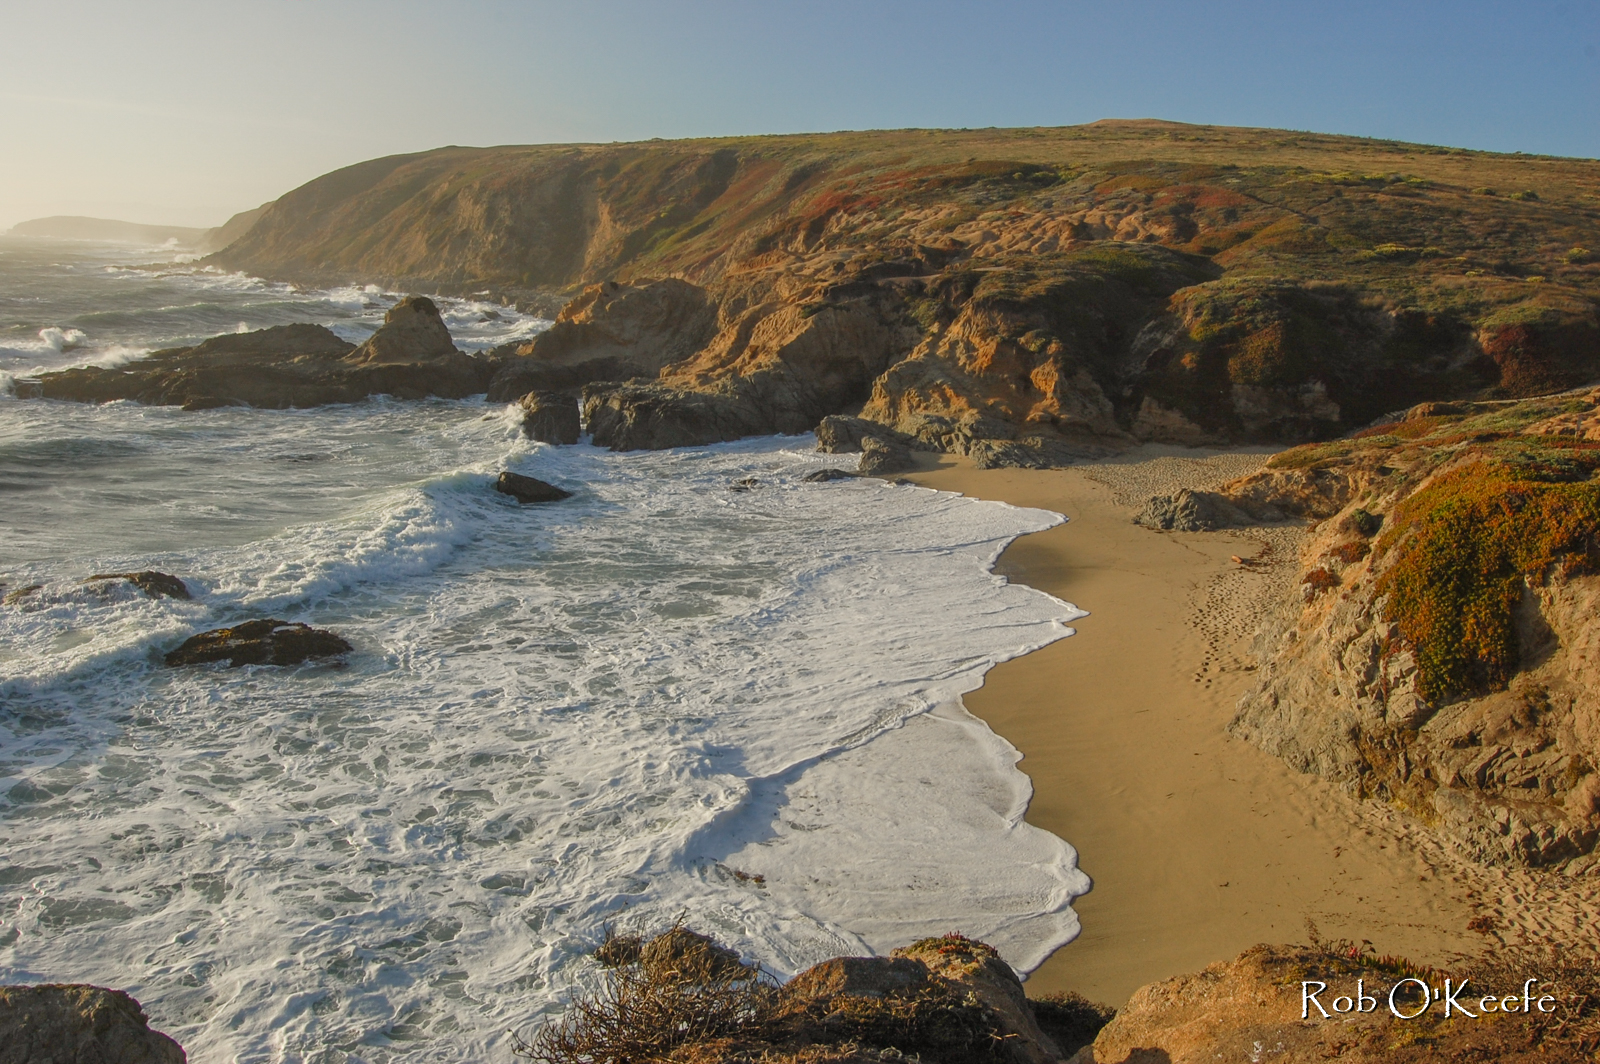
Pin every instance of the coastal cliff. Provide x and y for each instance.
(1032, 294)
(1440, 650)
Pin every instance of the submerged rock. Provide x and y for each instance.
(152, 583)
(550, 417)
(17, 595)
(529, 489)
(264, 642)
(1191, 511)
(74, 1023)
(822, 476)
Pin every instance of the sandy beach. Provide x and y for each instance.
(1199, 845)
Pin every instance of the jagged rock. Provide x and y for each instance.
(880, 457)
(264, 642)
(1191, 511)
(73, 1023)
(649, 416)
(412, 331)
(822, 476)
(550, 417)
(529, 489)
(152, 583)
(610, 332)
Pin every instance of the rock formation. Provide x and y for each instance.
(550, 417)
(264, 642)
(1191, 511)
(412, 331)
(529, 489)
(409, 357)
(78, 1024)
(1442, 650)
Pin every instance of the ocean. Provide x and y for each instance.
(663, 699)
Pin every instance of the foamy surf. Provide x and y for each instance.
(622, 708)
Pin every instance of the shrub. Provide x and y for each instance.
(1464, 547)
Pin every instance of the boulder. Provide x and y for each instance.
(881, 457)
(1190, 511)
(529, 489)
(412, 331)
(78, 1024)
(550, 417)
(264, 642)
(650, 416)
(983, 977)
(841, 434)
(152, 583)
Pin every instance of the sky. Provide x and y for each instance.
(180, 113)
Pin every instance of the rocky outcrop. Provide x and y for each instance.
(1305, 1005)
(264, 642)
(78, 1024)
(152, 583)
(412, 331)
(610, 332)
(1442, 651)
(550, 417)
(529, 489)
(649, 416)
(288, 366)
(1190, 511)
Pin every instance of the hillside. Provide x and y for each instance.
(109, 230)
(1075, 285)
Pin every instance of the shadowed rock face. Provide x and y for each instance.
(78, 1024)
(550, 417)
(265, 642)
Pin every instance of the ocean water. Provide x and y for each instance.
(661, 699)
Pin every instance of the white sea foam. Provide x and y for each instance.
(555, 716)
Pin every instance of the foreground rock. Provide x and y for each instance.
(682, 997)
(550, 417)
(529, 489)
(881, 457)
(78, 1024)
(1250, 1008)
(264, 642)
(409, 357)
(152, 583)
(1441, 651)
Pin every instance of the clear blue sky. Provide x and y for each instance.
(183, 113)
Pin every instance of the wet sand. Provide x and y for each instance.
(1199, 844)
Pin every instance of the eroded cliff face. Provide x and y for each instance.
(1442, 651)
(1028, 293)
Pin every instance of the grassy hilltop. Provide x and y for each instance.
(1173, 281)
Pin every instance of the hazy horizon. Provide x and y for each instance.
(176, 113)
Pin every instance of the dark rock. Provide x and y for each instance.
(412, 331)
(284, 366)
(529, 489)
(265, 642)
(152, 583)
(745, 484)
(27, 388)
(648, 416)
(1191, 511)
(550, 417)
(78, 1024)
(822, 476)
(880, 457)
(840, 434)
